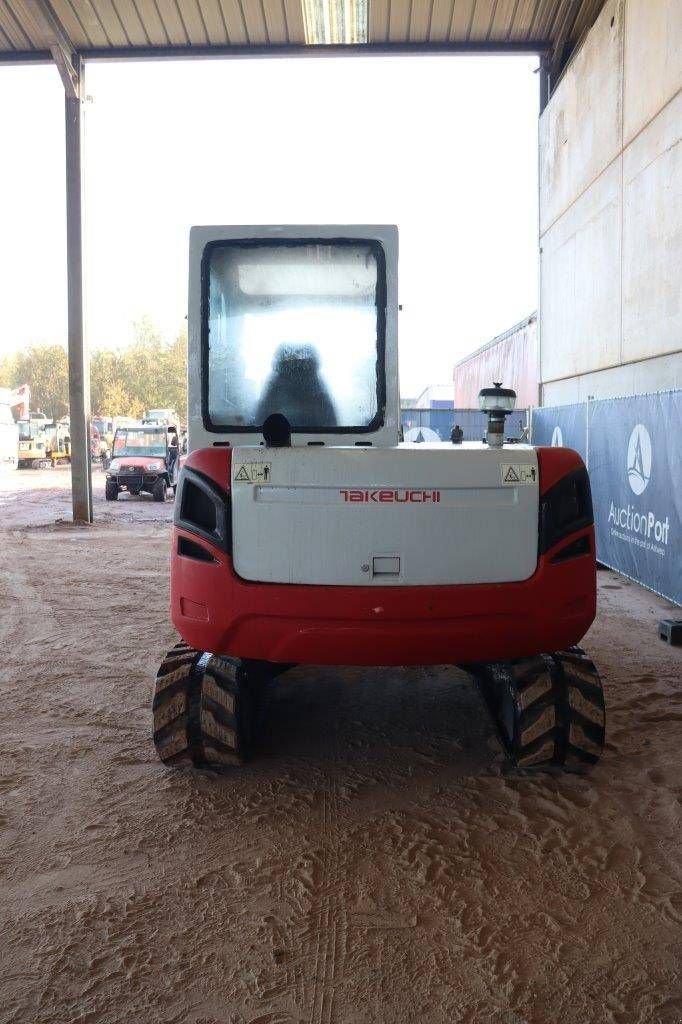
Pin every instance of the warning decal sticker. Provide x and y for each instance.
(253, 473)
(518, 475)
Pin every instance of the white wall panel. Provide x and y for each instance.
(661, 374)
(580, 282)
(580, 129)
(611, 240)
(653, 60)
(652, 238)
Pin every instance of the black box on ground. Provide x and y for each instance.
(670, 630)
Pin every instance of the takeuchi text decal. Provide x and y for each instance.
(417, 497)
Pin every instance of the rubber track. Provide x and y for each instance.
(200, 710)
(555, 705)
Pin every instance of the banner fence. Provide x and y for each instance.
(632, 447)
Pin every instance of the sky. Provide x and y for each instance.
(444, 147)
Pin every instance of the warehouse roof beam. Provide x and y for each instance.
(47, 27)
(204, 27)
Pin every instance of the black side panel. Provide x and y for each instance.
(190, 549)
(565, 508)
(203, 508)
(574, 549)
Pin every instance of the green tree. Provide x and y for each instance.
(7, 371)
(175, 375)
(45, 369)
(109, 390)
(103, 373)
(154, 374)
(148, 374)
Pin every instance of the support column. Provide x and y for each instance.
(545, 81)
(79, 361)
(46, 25)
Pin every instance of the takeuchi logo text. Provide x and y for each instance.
(417, 497)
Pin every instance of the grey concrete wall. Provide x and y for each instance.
(611, 210)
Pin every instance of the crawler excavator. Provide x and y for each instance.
(305, 532)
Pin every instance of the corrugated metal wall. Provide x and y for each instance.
(510, 358)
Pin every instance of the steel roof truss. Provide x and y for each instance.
(50, 28)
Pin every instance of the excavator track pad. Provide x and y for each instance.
(548, 710)
(204, 709)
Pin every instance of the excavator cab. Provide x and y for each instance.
(293, 322)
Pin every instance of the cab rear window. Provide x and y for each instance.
(295, 327)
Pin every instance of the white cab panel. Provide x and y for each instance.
(411, 515)
(200, 436)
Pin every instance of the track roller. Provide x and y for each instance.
(548, 710)
(204, 709)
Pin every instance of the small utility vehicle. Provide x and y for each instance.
(306, 533)
(144, 459)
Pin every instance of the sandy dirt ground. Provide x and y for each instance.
(376, 863)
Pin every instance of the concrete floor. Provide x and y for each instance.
(376, 863)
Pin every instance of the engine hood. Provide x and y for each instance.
(415, 515)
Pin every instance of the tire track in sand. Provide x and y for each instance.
(330, 915)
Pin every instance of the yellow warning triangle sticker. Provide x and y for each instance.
(511, 476)
(243, 475)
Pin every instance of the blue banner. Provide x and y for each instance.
(563, 426)
(635, 463)
(633, 450)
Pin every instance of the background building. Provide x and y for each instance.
(511, 357)
(611, 210)
(610, 317)
(435, 396)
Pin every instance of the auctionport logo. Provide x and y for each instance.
(629, 523)
(639, 459)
